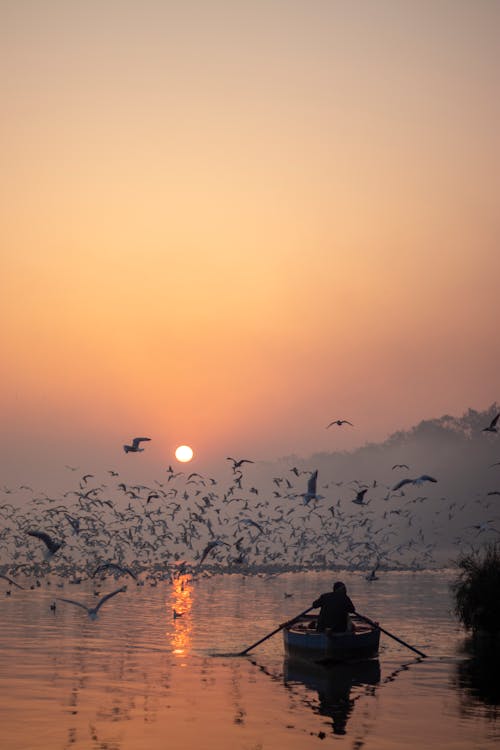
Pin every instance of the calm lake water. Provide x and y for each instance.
(137, 678)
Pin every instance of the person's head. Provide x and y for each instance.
(339, 586)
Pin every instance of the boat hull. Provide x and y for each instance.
(302, 641)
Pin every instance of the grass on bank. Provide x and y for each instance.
(476, 590)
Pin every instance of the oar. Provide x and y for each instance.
(288, 622)
(391, 635)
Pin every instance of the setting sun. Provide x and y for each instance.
(184, 453)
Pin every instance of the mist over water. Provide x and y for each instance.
(259, 516)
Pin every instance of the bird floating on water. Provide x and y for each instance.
(92, 611)
(134, 448)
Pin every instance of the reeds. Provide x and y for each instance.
(477, 590)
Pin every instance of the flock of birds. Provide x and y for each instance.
(190, 523)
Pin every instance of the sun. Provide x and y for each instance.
(184, 453)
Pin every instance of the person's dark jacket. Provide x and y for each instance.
(335, 606)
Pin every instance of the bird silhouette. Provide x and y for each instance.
(51, 544)
(93, 611)
(134, 448)
(418, 481)
(237, 463)
(311, 493)
(492, 427)
(339, 422)
(359, 499)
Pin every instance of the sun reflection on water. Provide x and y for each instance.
(179, 606)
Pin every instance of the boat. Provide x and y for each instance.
(303, 641)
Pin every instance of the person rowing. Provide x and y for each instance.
(335, 608)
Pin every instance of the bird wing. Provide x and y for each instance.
(44, 538)
(108, 596)
(13, 583)
(137, 440)
(426, 478)
(494, 421)
(311, 483)
(72, 601)
(402, 483)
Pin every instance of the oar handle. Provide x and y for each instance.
(391, 635)
(280, 627)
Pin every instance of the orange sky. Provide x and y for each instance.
(227, 224)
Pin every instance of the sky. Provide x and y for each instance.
(227, 224)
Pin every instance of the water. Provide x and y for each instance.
(138, 678)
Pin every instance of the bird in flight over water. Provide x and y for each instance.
(51, 544)
(92, 611)
(237, 463)
(339, 422)
(311, 493)
(134, 448)
(418, 481)
(492, 427)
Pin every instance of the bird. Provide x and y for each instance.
(400, 466)
(51, 544)
(237, 463)
(372, 575)
(210, 546)
(339, 422)
(176, 614)
(114, 566)
(359, 499)
(311, 489)
(492, 427)
(92, 611)
(417, 481)
(134, 448)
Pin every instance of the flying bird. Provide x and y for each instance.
(418, 481)
(311, 493)
(92, 611)
(113, 566)
(400, 466)
(51, 544)
(134, 448)
(339, 422)
(210, 546)
(492, 427)
(238, 463)
(359, 499)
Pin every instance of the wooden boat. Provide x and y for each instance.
(302, 641)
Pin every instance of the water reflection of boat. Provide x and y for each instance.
(303, 641)
(333, 685)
